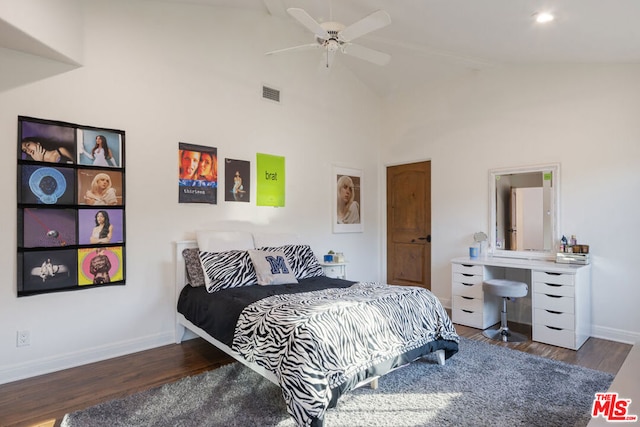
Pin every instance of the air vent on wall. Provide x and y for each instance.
(271, 94)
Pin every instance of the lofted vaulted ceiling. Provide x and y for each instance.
(434, 39)
(431, 40)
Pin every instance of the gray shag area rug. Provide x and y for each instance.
(482, 385)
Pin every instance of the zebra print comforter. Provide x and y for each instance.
(317, 342)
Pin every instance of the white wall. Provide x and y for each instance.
(584, 117)
(166, 73)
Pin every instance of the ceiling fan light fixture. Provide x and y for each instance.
(335, 37)
(543, 17)
(332, 45)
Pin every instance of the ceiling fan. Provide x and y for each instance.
(334, 37)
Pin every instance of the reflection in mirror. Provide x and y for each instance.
(524, 211)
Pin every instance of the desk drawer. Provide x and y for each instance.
(467, 269)
(554, 319)
(554, 303)
(555, 336)
(467, 289)
(468, 303)
(555, 278)
(553, 289)
(467, 317)
(472, 279)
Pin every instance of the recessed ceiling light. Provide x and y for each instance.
(543, 17)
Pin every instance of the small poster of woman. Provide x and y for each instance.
(100, 226)
(100, 187)
(99, 148)
(46, 142)
(46, 271)
(347, 212)
(237, 180)
(100, 266)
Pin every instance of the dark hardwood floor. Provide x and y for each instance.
(43, 400)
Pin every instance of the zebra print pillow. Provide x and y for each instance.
(230, 269)
(195, 276)
(301, 259)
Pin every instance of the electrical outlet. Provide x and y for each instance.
(23, 339)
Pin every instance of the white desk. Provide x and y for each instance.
(560, 296)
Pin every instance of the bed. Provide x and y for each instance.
(315, 337)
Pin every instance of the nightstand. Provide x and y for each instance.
(337, 270)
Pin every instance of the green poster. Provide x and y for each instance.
(270, 180)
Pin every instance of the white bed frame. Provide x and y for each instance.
(182, 324)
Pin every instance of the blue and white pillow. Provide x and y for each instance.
(301, 259)
(229, 269)
(272, 268)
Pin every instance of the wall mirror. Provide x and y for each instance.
(525, 211)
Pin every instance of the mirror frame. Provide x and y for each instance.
(554, 168)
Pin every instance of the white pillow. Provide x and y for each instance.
(272, 268)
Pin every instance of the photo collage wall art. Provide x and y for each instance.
(71, 206)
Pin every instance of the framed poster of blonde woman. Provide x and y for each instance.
(347, 197)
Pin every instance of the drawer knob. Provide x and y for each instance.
(553, 312)
(553, 296)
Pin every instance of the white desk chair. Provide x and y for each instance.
(506, 289)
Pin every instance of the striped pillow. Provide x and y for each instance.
(229, 269)
(195, 276)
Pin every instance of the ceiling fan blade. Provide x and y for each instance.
(372, 22)
(311, 24)
(294, 48)
(375, 56)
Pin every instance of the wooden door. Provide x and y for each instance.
(409, 224)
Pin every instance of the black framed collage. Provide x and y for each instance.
(71, 206)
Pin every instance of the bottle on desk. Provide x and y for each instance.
(563, 244)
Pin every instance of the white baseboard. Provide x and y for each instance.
(618, 335)
(53, 364)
